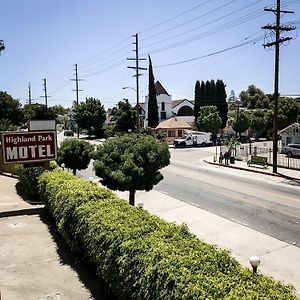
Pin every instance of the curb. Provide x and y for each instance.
(254, 171)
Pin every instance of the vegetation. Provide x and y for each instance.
(124, 117)
(211, 93)
(242, 123)
(2, 46)
(28, 179)
(209, 119)
(131, 162)
(75, 154)
(10, 109)
(152, 100)
(253, 97)
(143, 257)
(197, 99)
(90, 115)
(38, 111)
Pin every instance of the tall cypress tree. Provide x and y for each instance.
(152, 100)
(202, 94)
(197, 99)
(207, 93)
(222, 104)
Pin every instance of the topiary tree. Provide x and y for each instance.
(124, 117)
(75, 154)
(242, 123)
(131, 162)
(209, 119)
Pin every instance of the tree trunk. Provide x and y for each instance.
(74, 171)
(131, 197)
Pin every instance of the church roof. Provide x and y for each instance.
(160, 89)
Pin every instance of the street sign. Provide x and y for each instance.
(31, 146)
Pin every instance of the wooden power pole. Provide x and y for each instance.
(137, 74)
(277, 29)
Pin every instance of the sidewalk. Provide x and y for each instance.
(34, 262)
(242, 165)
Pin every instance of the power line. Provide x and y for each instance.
(175, 17)
(253, 41)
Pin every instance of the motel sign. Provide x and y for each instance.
(31, 146)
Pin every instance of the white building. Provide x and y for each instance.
(168, 108)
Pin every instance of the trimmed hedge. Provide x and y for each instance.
(28, 178)
(141, 256)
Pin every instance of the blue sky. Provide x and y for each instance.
(44, 39)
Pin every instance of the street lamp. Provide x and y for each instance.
(63, 166)
(128, 87)
(254, 262)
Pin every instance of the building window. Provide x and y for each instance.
(163, 106)
(171, 133)
(179, 132)
(185, 111)
(163, 115)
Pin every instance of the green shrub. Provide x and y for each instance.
(28, 178)
(141, 256)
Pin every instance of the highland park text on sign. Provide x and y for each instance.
(31, 146)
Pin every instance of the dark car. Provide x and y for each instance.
(68, 133)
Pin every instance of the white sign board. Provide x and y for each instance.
(35, 125)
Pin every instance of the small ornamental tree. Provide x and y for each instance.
(242, 123)
(131, 162)
(209, 119)
(75, 154)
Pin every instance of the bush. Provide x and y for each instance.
(143, 257)
(28, 178)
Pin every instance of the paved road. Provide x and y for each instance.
(267, 204)
(268, 208)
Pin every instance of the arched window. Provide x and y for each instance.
(185, 111)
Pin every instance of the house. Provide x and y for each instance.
(172, 128)
(290, 134)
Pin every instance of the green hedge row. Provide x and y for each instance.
(143, 257)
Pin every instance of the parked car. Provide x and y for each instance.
(291, 150)
(68, 133)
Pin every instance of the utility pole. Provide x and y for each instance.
(277, 29)
(46, 96)
(29, 93)
(77, 90)
(137, 74)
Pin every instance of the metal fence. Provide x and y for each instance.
(243, 152)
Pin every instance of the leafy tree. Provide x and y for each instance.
(197, 101)
(90, 115)
(209, 119)
(222, 105)
(131, 162)
(152, 100)
(10, 109)
(75, 154)
(2, 46)
(257, 122)
(290, 109)
(58, 109)
(253, 97)
(242, 123)
(124, 117)
(7, 125)
(38, 111)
